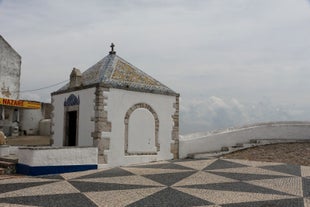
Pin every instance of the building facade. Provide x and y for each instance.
(10, 68)
(16, 116)
(128, 115)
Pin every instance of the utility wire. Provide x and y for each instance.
(46, 87)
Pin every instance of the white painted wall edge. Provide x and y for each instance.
(58, 156)
(214, 141)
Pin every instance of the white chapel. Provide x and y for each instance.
(127, 114)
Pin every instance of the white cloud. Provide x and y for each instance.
(215, 113)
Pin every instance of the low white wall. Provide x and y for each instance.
(51, 156)
(29, 120)
(4, 150)
(214, 141)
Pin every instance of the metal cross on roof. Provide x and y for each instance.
(112, 48)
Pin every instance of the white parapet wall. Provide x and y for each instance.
(4, 150)
(54, 160)
(214, 141)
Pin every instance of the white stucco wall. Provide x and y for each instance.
(10, 66)
(29, 120)
(47, 156)
(118, 103)
(4, 150)
(208, 142)
(86, 113)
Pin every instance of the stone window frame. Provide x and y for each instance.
(126, 122)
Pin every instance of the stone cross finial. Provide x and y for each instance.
(112, 48)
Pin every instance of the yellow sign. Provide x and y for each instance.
(20, 103)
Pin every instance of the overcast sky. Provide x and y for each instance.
(234, 62)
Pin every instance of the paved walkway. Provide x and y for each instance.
(213, 182)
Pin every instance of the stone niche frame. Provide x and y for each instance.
(175, 130)
(72, 103)
(126, 121)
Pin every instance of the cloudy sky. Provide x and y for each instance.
(234, 62)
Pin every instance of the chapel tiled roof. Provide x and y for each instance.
(115, 72)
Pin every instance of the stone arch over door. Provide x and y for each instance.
(138, 110)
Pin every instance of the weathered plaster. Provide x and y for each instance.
(10, 69)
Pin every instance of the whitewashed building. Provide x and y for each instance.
(17, 117)
(127, 114)
(10, 65)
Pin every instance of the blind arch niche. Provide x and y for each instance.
(141, 130)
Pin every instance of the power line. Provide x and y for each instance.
(46, 87)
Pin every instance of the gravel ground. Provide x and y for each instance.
(291, 153)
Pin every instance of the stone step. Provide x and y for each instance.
(2, 171)
(9, 167)
(9, 158)
(6, 164)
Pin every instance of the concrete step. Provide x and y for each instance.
(9, 167)
(9, 158)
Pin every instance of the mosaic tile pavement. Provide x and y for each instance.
(209, 182)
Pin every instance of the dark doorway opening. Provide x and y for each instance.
(71, 129)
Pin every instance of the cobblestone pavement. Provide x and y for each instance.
(291, 153)
(207, 182)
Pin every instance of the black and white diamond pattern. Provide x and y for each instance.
(210, 182)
